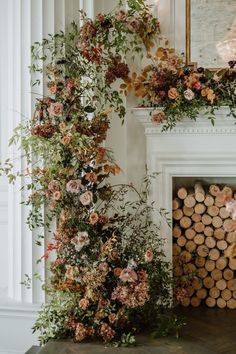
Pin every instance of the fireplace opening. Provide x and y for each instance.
(204, 241)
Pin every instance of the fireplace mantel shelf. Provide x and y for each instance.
(224, 124)
(195, 150)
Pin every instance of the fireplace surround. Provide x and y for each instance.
(192, 149)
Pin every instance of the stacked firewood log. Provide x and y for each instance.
(200, 243)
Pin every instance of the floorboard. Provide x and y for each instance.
(208, 331)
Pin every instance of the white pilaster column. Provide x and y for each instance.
(28, 21)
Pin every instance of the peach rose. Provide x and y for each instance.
(56, 195)
(211, 96)
(62, 125)
(158, 117)
(83, 303)
(65, 140)
(128, 275)
(93, 218)
(54, 186)
(91, 177)
(148, 256)
(86, 198)
(173, 93)
(55, 109)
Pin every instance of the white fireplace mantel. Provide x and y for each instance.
(191, 149)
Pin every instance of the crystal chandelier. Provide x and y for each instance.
(227, 48)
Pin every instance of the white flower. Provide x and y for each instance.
(132, 264)
(189, 94)
(81, 240)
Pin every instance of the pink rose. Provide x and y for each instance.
(55, 109)
(148, 256)
(73, 186)
(128, 275)
(86, 198)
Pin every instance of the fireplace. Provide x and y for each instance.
(192, 151)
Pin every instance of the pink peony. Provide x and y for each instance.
(86, 198)
(73, 186)
(128, 275)
(148, 256)
(81, 240)
(55, 109)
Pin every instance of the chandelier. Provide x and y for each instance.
(227, 48)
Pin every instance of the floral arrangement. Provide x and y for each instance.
(109, 277)
(181, 91)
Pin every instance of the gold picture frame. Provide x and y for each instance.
(188, 34)
(188, 37)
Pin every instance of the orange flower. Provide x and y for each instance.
(114, 169)
(117, 272)
(65, 140)
(209, 94)
(112, 317)
(173, 93)
(91, 177)
(93, 218)
(204, 92)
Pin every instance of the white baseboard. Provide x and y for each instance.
(16, 321)
(10, 352)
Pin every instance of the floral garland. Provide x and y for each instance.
(109, 277)
(181, 91)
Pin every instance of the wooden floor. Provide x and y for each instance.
(208, 331)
